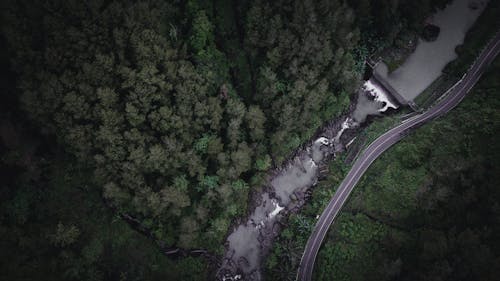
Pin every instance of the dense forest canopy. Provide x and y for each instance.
(175, 110)
(141, 93)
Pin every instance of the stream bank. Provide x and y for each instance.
(288, 187)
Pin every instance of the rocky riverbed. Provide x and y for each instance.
(287, 187)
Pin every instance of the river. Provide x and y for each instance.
(428, 60)
(252, 239)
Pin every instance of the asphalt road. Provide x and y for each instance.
(381, 144)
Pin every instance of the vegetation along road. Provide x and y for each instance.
(452, 98)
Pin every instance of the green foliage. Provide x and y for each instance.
(383, 25)
(298, 88)
(209, 182)
(181, 183)
(262, 164)
(64, 235)
(68, 234)
(201, 33)
(178, 109)
(255, 120)
(138, 108)
(201, 145)
(239, 185)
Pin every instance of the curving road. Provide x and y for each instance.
(452, 98)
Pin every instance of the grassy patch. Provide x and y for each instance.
(393, 64)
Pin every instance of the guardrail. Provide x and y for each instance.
(442, 96)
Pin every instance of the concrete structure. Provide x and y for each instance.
(372, 73)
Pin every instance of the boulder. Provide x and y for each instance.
(431, 32)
